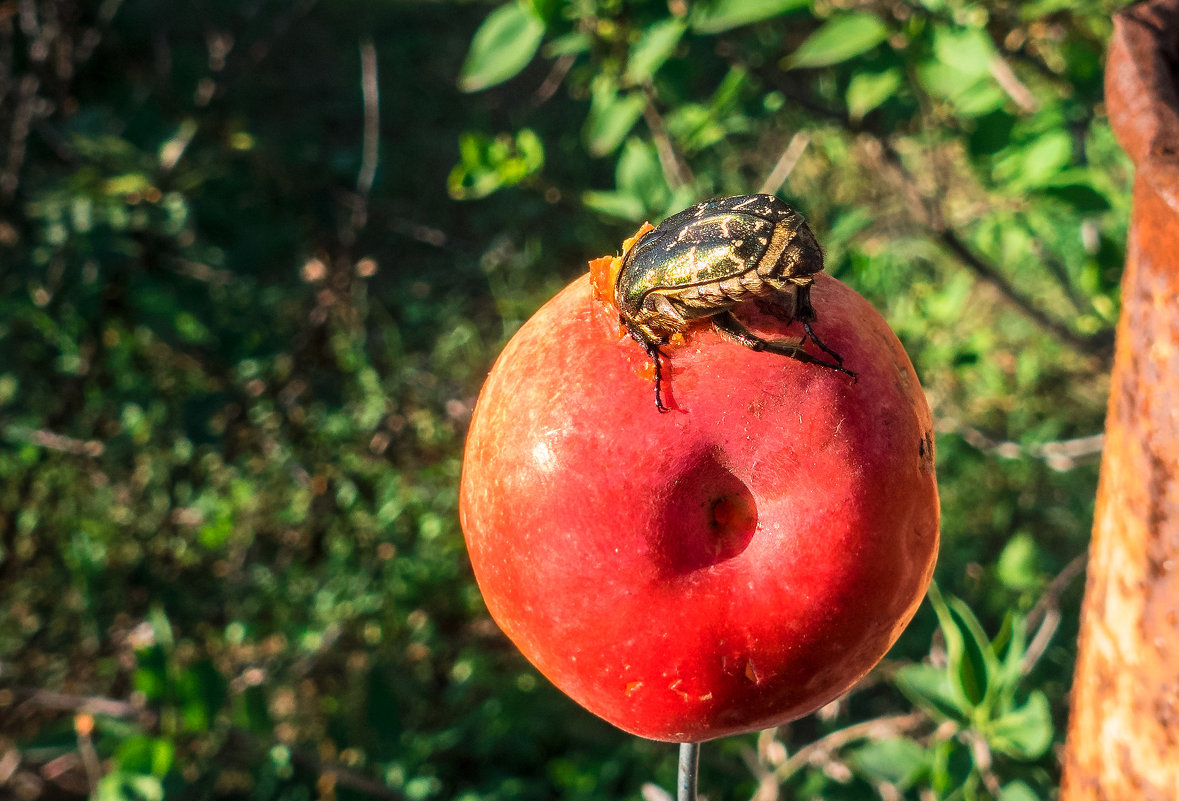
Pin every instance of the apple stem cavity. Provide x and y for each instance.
(689, 767)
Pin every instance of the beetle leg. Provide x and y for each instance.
(654, 353)
(810, 332)
(731, 328)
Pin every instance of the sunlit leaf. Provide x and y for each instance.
(867, 90)
(723, 15)
(1025, 733)
(897, 760)
(488, 164)
(656, 45)
(611, 116)
(1018, 791)
(967, 647)
(502, 46)
(968, 50)
(622, 205)
(1018, 566)
(929, 688)
(839, 39)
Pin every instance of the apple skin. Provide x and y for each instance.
(724, 567)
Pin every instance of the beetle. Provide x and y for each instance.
(705, 260)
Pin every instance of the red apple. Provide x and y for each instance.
(724, 567)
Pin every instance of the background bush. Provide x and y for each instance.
(256, 258)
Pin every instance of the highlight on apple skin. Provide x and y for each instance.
(725, 567)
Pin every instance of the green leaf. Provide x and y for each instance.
(1017, 791)
(1018, 566)
(1082, 197)
(839, 39)
(120, 786)
(929, 688)
(1025, 733)
(974, 666)
(611, 115)
(992, 133)
(547, 11)
(1038, 162)
(724, 15)
(640, 186)
(568, 44)
(959, 70)
(867, 90)
(971, 96)
(967, 648)
(639, 173)
(968, 50)
(649, 52)
(488, 164)
(504, 44)
(897, 760)
(152, 756)
(622, 205)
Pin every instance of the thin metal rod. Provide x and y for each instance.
(689, 767)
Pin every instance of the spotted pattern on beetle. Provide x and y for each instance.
(705, 260)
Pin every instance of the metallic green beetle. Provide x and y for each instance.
(705, 260)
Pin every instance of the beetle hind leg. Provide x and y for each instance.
(731, 328)
(810, 332)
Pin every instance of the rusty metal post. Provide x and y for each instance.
(1123, 739)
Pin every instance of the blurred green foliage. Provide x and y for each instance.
(255, 259)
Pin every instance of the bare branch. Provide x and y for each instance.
(1061, 455)
(929, 213)
(675, 171)
(1047, 609)
(54, 441)
(875, 729)
(370, 90)
(51, 700)
(786, 163)
(1005, 76)
(554, 79)
(990, 275)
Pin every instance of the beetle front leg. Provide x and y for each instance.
(655, 354)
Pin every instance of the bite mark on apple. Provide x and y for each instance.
(925, 451)
(751, 672)
(708, 516)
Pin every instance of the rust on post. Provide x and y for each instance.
(1123, 739)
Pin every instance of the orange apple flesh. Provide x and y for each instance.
(724, 567)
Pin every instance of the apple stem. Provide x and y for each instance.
(689, 767)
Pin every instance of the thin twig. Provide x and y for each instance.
(931, 217)
(370, 90)
(1005, 76)
(1047, 608)
(1061, 455)
(878, 728)
(675, 172)
(786, 163)
(79, 704)
(989, 274)
(53, 441)
(554, 79)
